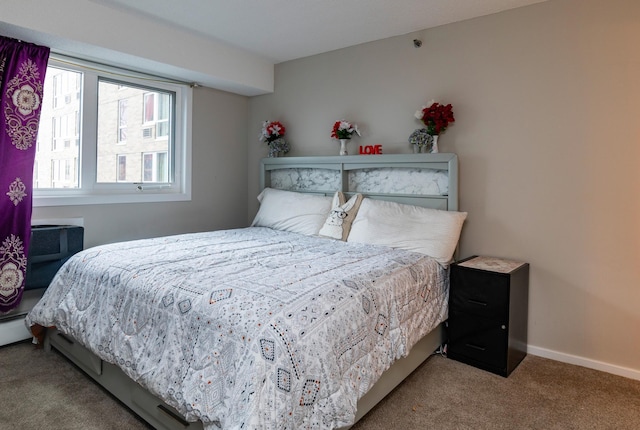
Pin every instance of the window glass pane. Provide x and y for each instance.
(147, 161)
(149, 111)
(125, 113)
(122, 120)
(155, 167)
(162, 125)
(122, 167)
(57, 158)
(161, 167)
(162, 129)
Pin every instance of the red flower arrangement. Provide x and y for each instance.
(436, 117)
(271, 130)
(273, 133)
(343, 130)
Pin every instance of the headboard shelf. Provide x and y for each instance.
(429, 180)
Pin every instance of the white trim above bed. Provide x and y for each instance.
(428, 180)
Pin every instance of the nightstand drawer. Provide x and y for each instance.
(478, 339)
(480, 293)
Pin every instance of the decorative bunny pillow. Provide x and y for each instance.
(342, 214)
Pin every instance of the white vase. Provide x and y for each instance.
(343, 146)
(434, 145)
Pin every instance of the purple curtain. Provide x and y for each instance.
(22, 70)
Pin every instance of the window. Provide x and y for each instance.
(122, 167)
(154, 167)
(122, 120)
(156, 110)
(114, 137)
(162, 121)
(35, 175)
(65, 87)
(62, 173)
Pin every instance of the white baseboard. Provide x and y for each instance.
(584, 362)
(13, 331)
(12, 326)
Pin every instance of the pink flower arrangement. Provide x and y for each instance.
(436, 117)
(343, 130)
(271, 130)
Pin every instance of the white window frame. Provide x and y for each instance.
(90, 192)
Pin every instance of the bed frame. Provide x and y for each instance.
(427, 180)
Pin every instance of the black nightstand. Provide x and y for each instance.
(488, 307)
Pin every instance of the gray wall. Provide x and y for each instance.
(547, 102)
(219, 182)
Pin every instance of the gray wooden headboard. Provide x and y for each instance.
(428, 180)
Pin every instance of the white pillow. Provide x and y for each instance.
(429, 231)
(292, 211)
(338, 223)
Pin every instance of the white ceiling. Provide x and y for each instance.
(281, 30)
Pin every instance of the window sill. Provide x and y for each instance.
(100, 199)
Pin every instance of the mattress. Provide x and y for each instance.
(250, 328)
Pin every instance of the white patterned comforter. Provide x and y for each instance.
(249, 328)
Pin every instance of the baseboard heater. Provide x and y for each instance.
(50, 247)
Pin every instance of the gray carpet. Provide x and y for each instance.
(42, 391)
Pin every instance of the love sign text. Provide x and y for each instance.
(371, 149)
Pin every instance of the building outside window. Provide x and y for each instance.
(120, 104)
(59, 124)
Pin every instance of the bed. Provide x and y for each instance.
(305, 319)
